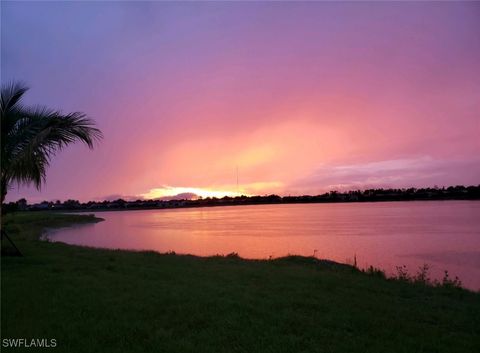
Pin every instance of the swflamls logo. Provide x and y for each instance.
(29, 342)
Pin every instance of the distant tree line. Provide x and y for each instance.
(458, 192)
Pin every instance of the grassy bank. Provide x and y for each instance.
(93, 300)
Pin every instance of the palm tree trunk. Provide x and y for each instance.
(4, 235)
(4, 186)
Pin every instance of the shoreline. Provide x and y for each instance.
(86, 210)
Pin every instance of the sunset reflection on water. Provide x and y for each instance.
(444, 234)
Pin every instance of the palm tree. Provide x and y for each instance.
(30, 137)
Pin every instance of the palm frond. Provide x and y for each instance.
(40, 134)
(32, 136)
(11, 94)
(57, 130)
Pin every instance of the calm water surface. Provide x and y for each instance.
(444, 234)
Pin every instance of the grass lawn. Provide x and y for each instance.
(93, 300)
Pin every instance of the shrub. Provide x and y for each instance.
(402, 274)
(450, 283)
(422, 275)
(374, 271)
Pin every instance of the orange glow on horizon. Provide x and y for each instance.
(171, 191)
(227, 190)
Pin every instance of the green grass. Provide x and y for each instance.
(93, 300)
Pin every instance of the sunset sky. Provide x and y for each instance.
(302, 97)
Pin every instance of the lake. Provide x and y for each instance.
(443, 234)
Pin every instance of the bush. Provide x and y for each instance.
(450, 283)
(402, 274)
(374, 271)
(422, 275)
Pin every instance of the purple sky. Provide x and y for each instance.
(301, 97)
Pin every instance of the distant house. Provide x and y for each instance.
(45, 205)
